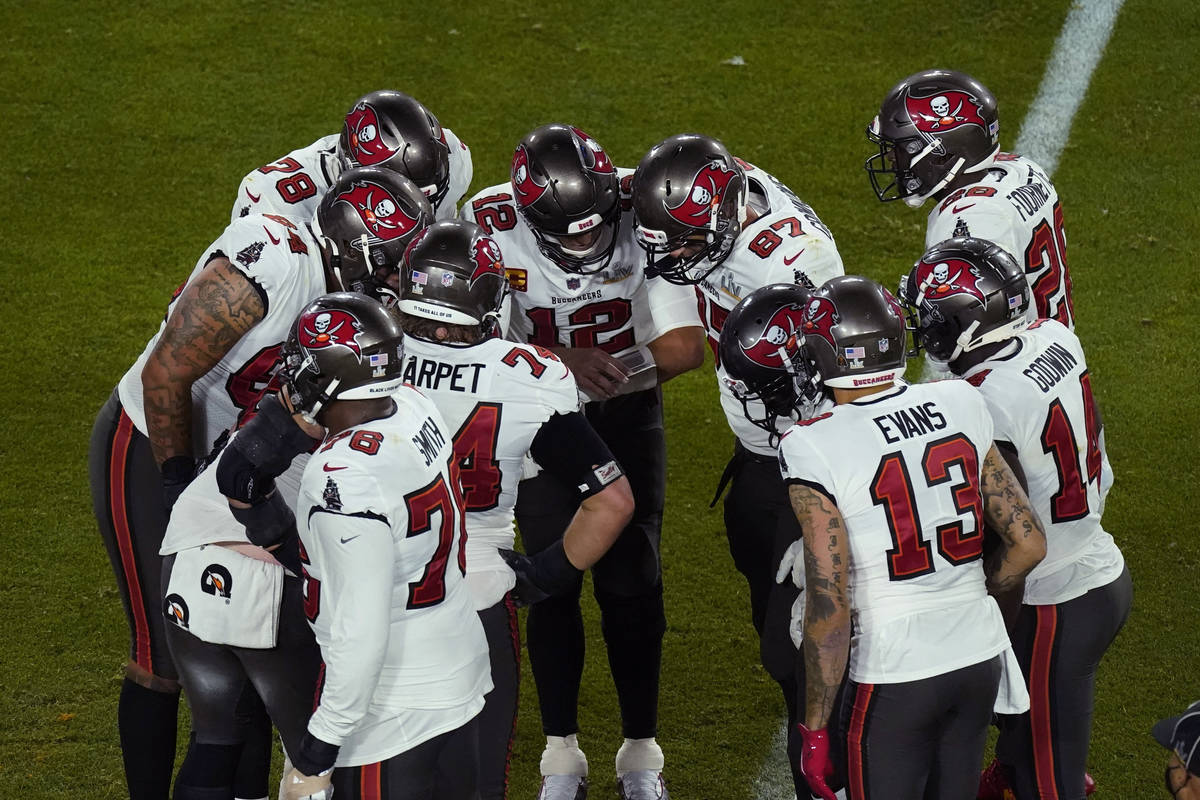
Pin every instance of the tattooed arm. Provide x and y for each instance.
(214, 312)
(1008, 513)
(827, 606)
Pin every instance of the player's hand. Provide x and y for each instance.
(177, 473)
(814, 761)
(298, 786)
(262, 450)
(598, 374)
(542, 575)
(792, 563)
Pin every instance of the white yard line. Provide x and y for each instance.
(1076, 53)
(1080, 44)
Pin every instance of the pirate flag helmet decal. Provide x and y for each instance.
(965, 293)
(343, 346)
(932, 127)
(366, 219)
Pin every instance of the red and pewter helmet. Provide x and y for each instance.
(762, 351)
(567, 190)
(688, 192)
(390, 129)
(932, 127)
(965, 293)
(854, 333)
(453, 272)
(367, 219)
(343, 346)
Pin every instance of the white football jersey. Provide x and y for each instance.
(1015, 206)
(382, 535)
(904, 467)
(283, 261)
(785, 244)
(616, 309)
(294, 185)
(494, 396)
(1040, 394)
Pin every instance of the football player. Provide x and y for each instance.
(970, 298)
(382, 541)
(893, 488)
(382, 129)
(237, 616)
(214, 356)
(938, 138)
(579, 290)
(504, 401)
(713, 221)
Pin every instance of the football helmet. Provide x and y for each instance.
(965, 293)
(567, 190)
(932, 127)
(343, 346)
(761, 349)
(366, 220)
(689, 197)
(391, 129)
(854, 333)
(453, 272)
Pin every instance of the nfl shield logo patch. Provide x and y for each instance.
(447, 278)
(884, 344)
(573, 283)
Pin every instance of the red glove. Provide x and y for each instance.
(814, 761)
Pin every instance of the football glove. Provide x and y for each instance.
(814, 761)
(542, 575)
(263, 449)
(793, 563)
(177, 473)
(311, 775)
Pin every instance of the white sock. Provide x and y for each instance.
(562, 756)
(639, 754)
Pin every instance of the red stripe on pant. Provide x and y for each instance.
(854, 741)
(1042, 735)
(370, 778)
(118, 456)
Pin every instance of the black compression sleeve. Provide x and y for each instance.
(568, 446)
(268, 521)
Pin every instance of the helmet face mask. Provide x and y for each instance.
(931, 128)
(761, 350)
(365, 221)
(689, 203)
(566, 188)
(390, 129)
(343, 346)
(965, 293)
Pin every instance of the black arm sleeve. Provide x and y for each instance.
(268, 521)
(568, 446)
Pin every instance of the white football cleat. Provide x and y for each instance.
(564, 770)
(563, 787)
(642, 784)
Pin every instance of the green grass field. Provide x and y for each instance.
(127, 127)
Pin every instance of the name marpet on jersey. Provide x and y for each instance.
(594, 295)
(430, 374)
(910, 422)
(429, 440)
(1029, 198)
(1049, 368)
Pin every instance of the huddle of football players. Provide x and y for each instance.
(310, 482)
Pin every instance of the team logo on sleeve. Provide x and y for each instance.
(175, 609)
(943, 111)
(216, 580)
(250, 253)
(592, 155)
(820, 315)
(378, 209)
(367, 146)
(320, 329)
(705, 196)
(942, 279)
(779, 340)
(525, 186)
(488, 260)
